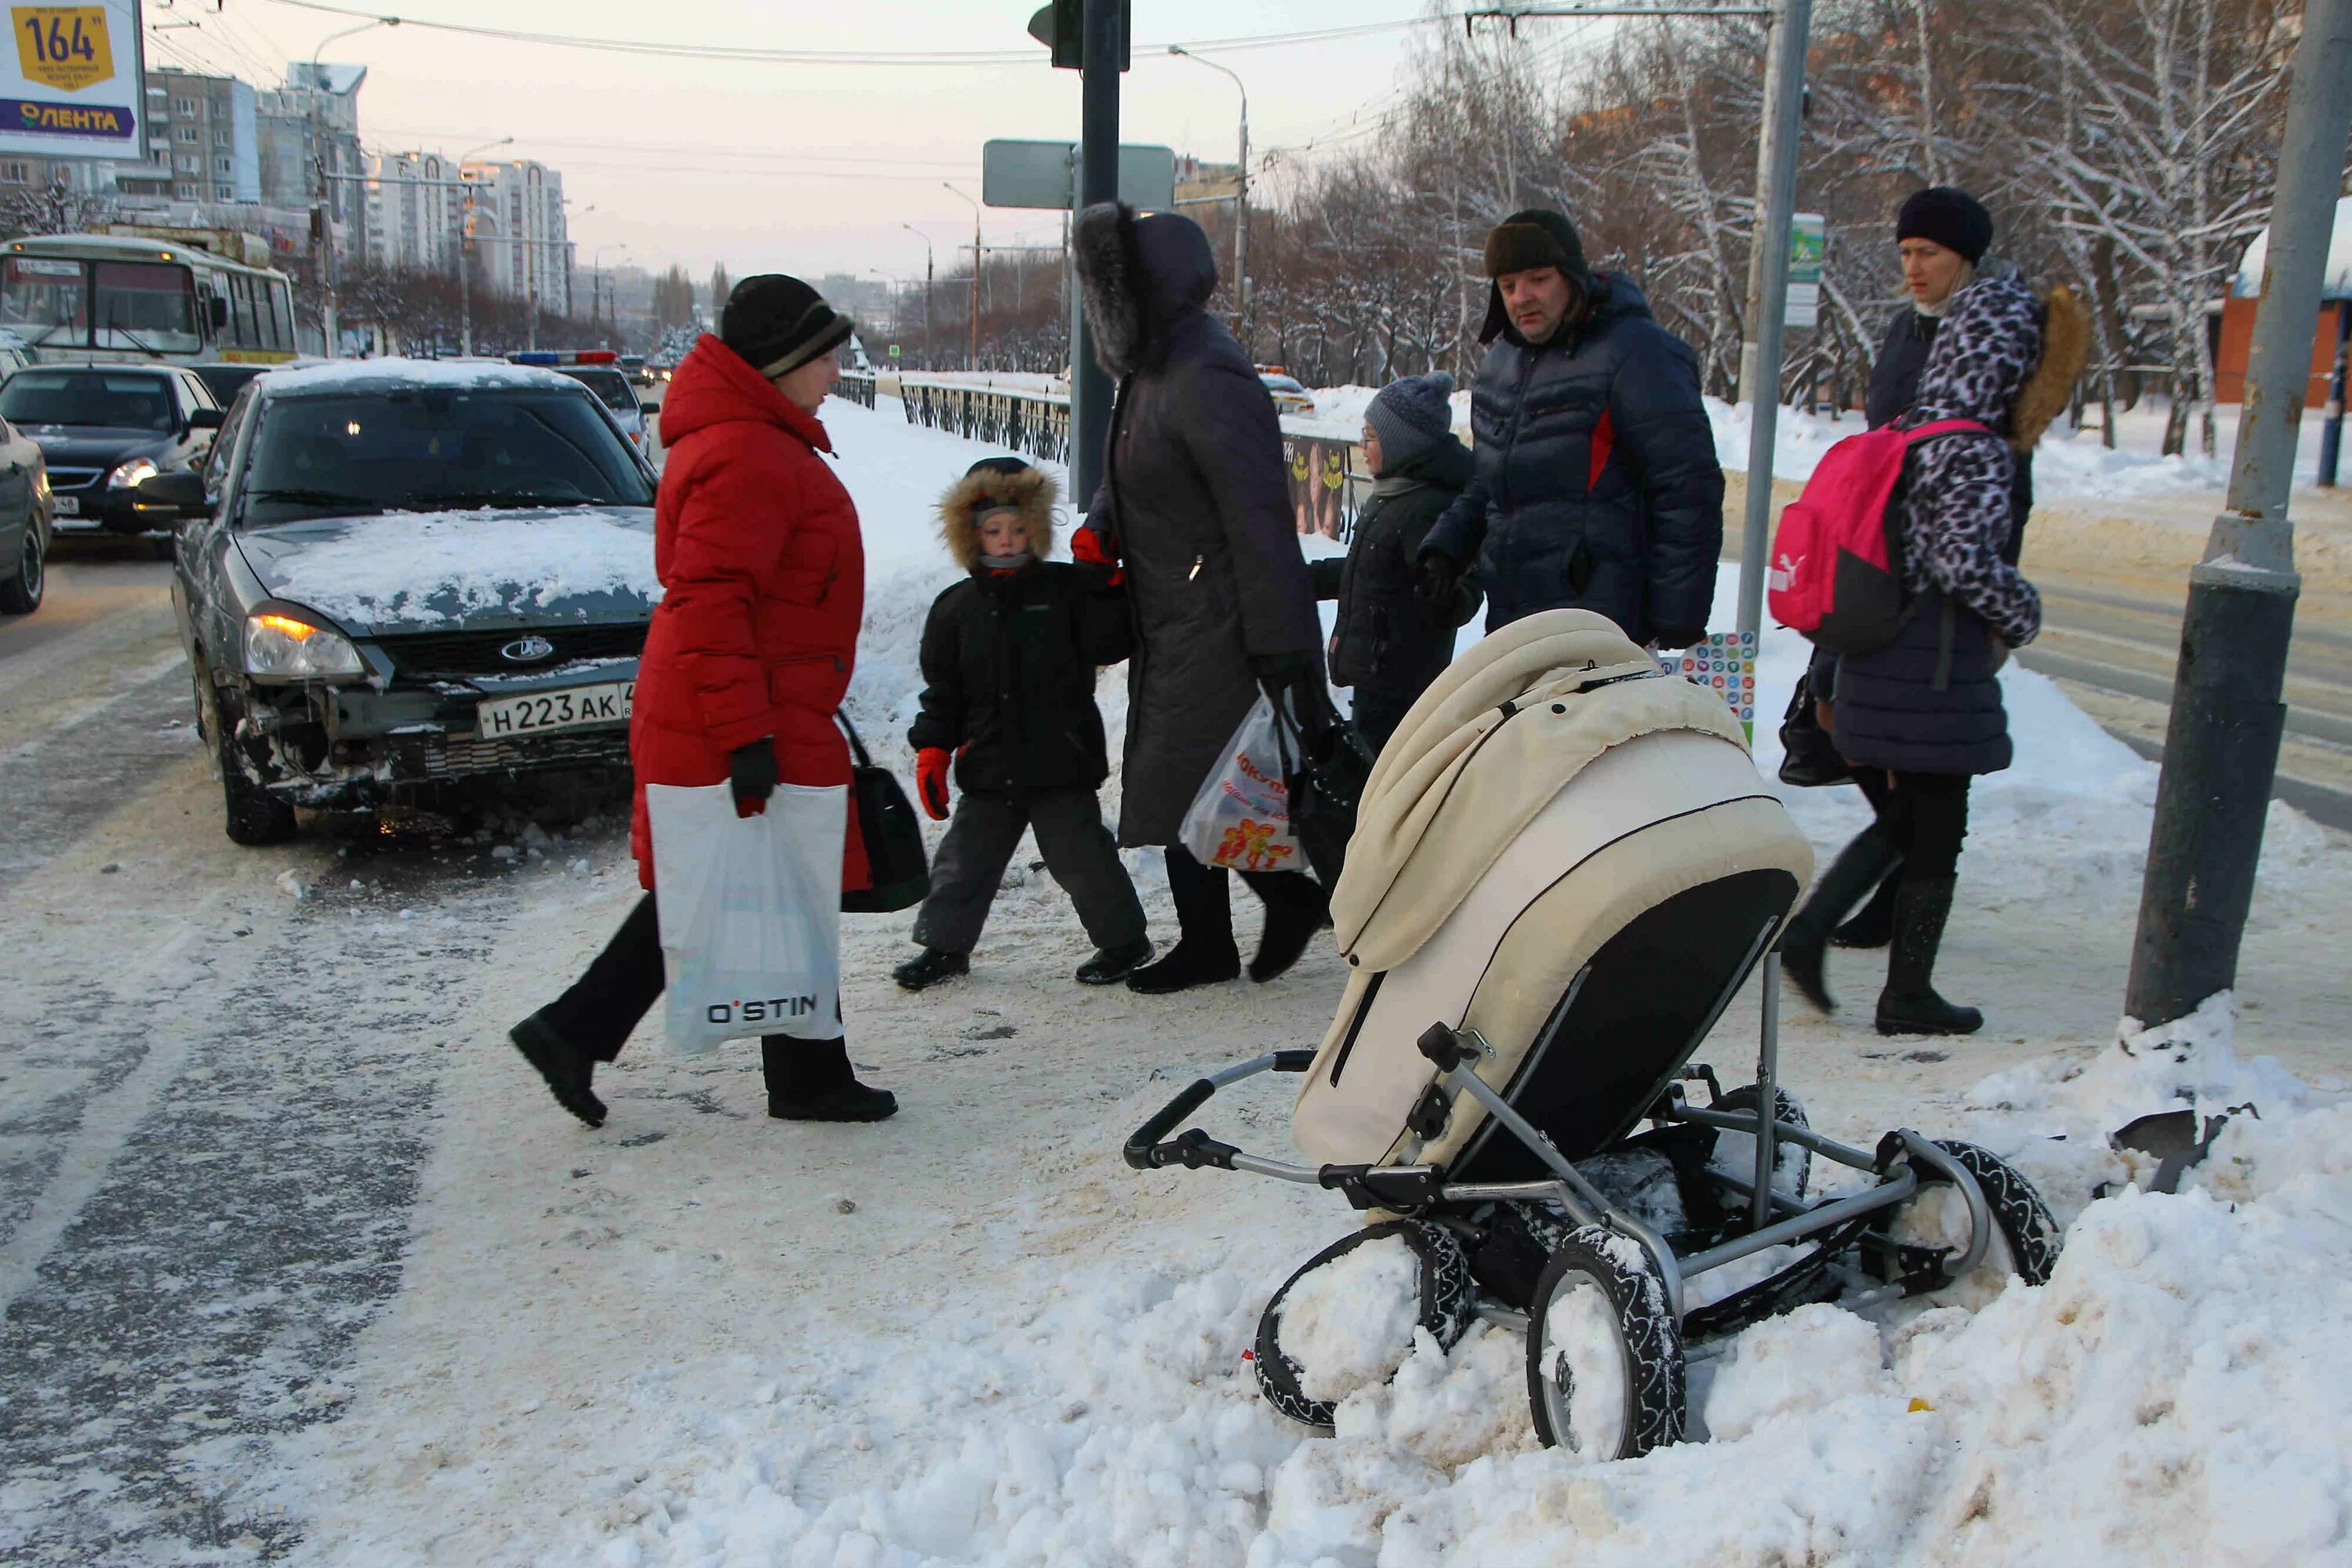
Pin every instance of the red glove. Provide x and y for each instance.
(1086, 548)
(931, 781)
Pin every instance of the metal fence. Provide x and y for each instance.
(1328, 484)
(856, 386)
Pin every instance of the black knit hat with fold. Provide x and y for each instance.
(1950, 217)
(778, 323)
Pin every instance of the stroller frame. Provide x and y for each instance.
(1843, 1225)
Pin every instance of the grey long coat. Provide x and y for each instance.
(1196, 503)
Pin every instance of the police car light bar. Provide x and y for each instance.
(563, 357)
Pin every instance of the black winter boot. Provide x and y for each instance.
(812, 1080)
(567, 1068)
(1205, 953)
(1110, 964)
(930, 967)
(1804, 945)
(1909, 1005)
(1296, 909)
(1872, 925)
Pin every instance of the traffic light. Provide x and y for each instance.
(1061, 27)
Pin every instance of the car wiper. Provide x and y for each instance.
(315, 498)
(499, 498)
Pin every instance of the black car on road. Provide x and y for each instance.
(23, 523)
(104, 429)
(396, 573)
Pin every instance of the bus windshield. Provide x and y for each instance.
(44, 300)
(145, 305)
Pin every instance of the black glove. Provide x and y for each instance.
(1434, 577)
(1293, 683)
(1677, 637)
(752, 774)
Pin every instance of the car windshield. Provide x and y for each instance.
(1281, 384)
(609, 385)
(123, 400)
(432, 449)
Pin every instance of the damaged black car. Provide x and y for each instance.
(397, 576)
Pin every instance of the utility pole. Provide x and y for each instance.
(1767, 288)
(927, 258)
(2221, 748)
(973, 361)
(1241, 202)
(465, 250)
(1104, 31)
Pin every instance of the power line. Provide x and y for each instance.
(842, 57)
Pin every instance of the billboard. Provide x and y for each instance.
(72, 86)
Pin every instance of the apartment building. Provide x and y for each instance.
(521, 242)
(414, 211)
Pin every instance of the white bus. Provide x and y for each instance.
(144, 297)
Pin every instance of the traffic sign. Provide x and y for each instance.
(1044, 174)
(1808, 243)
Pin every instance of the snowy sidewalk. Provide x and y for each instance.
(970, 1335)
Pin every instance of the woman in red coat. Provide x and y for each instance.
(763, 578)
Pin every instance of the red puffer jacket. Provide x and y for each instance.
(763, 575)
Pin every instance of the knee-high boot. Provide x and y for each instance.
(1909, 1005)
(1205, 952)
(1804, 947)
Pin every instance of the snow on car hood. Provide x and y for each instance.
(406, 571)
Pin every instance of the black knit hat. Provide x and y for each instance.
(1951, 217)
(777, 324)
(1537, 237)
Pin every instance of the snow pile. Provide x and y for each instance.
(426, 567)
(349, 374)
(1348, 1323)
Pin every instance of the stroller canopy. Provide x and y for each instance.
(1456, 784)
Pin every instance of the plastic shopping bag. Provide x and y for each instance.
(750, 928)
(1241, 818)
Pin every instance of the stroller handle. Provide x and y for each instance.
(1147, 1151)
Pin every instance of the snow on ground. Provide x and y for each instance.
(972, 1336)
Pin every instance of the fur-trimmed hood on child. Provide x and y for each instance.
(994, 482)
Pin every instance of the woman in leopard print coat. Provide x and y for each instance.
(1924, 711)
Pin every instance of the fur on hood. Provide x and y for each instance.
(998, 482)
(1135, 277)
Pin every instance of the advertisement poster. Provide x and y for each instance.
(71, 85)
(1322, 496)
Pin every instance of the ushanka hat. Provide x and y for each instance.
(778, 323)
(1537, 237)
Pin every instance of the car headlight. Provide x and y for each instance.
(131, 473)
(41, 483)
(279, 647)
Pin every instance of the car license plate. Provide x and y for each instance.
(67, 506)
(544, 710)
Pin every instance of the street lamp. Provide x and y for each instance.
(1241, 204)
(973, 362)
(596, 275)
(326, 187)
(926, 239)
(465, 244)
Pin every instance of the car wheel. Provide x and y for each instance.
(251, 814)
(21, 595)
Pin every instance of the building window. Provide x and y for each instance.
(185, 193)
(220, 136)
(191, 165)
(188, 106)
(186, 133)
(223, 166)
(17, 173)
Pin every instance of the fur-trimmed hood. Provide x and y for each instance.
(1136, 278)
(1004, 482)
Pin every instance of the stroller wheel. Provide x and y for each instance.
(1448, 1304)
(1605, 1373)
(1734, 1152)
(2025, 1239)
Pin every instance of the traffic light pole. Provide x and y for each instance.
(1090, 388)
(2221, 747)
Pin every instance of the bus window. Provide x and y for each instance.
(145, 304)
(242, 331)
(43, 301)
(282, 314)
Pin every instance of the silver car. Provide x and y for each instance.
(394, 574)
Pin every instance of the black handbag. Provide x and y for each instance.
(892, 834)
(1327, 784)
(1809, 756)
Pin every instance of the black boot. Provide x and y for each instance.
(930, 967)
(1804, 945)
(1872, 925)
(567, 1068)
(812, 1080)
(1205, 953)
(1909, 1005)
(1114, 964)
(1296, 909)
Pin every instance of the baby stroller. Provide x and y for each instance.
(1565, 866)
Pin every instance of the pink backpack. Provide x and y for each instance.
(1836, 565)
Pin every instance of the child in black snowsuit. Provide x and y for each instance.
(1009, 659)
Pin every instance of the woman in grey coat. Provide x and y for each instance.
(1195, 506)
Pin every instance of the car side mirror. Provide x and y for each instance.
(180, 493)
(206, 418)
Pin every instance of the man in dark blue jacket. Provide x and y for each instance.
(1597, 486)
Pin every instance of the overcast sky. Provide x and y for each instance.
(799, 168)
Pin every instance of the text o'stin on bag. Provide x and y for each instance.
(774, 1009)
